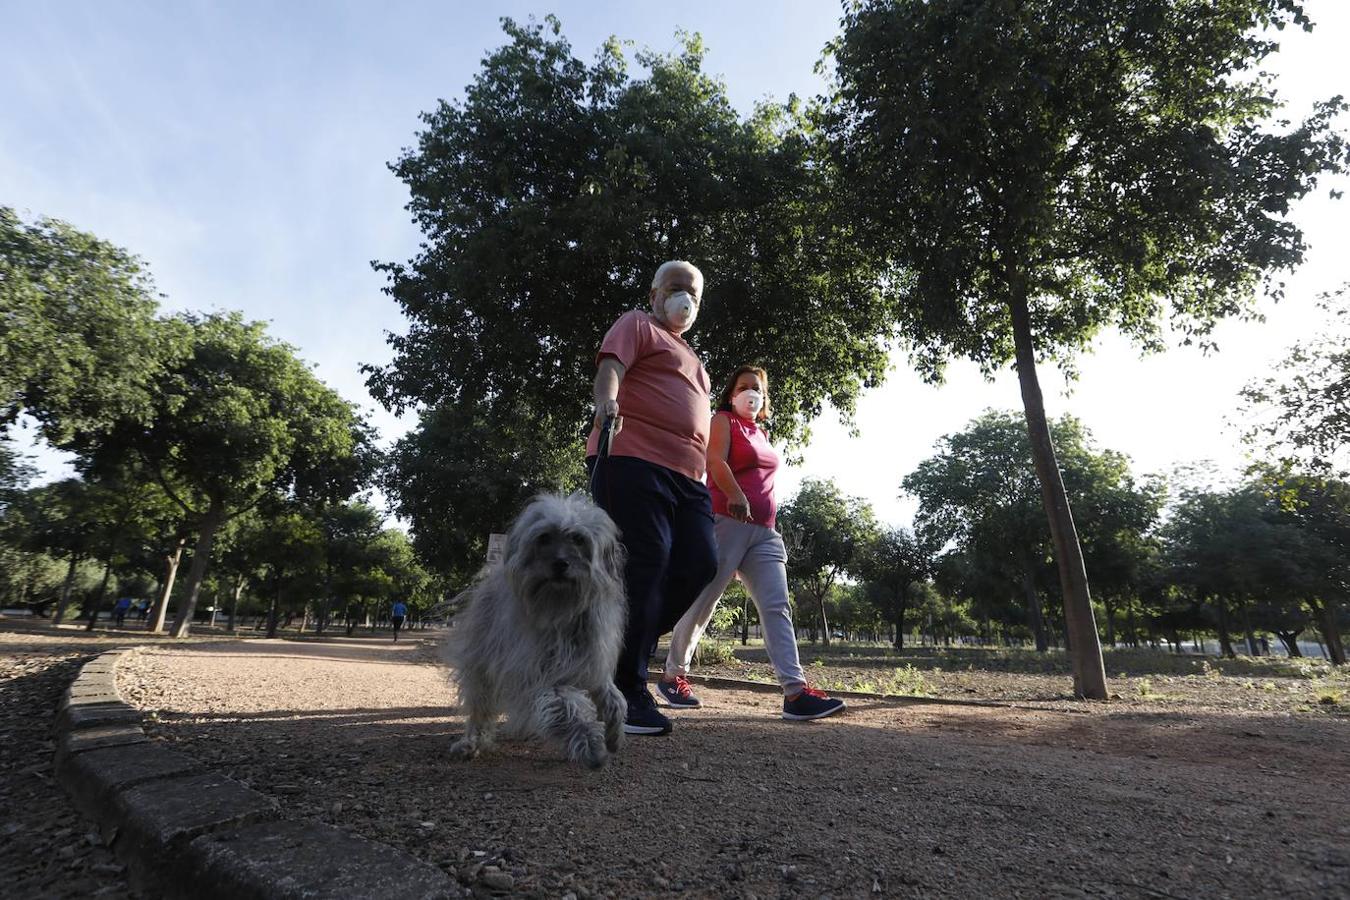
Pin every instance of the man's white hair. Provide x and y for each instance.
(674, 264)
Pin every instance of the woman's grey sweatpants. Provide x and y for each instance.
(758, 554)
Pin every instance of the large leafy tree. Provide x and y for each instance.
(979, 494)
(891, 564)
(237, 418)
(1319, 508)
(77, 335)
(548, 196)
(56, 519)
(1270, 553)
(1039, 170)
(827, 533)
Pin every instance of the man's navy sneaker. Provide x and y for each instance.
(811, 704)
(677, 693)
(643, 717)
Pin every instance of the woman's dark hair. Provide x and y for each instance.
(724, 401)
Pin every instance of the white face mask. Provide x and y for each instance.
(748, 403)
(681, 310)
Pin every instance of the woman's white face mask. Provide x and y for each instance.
(748, 403)
(681, 309)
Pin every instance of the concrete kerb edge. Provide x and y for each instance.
(131, 801)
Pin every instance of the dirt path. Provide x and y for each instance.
(887, 800)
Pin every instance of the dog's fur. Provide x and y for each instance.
(541, 633)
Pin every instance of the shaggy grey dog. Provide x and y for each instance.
(541, 634)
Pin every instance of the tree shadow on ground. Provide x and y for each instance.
(934, 800)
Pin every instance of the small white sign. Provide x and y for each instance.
(496, 548)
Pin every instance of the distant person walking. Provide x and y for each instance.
(741, 470)
(120, 610)
(397, 616)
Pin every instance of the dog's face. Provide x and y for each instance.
(563, 553)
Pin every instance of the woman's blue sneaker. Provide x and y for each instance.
(677, 693)
(811, 704)
(643, 717)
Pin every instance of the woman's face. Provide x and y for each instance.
(748, 381)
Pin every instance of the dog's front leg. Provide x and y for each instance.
(480, 724)
(613, 710)
(566, 713)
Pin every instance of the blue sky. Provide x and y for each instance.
(241, 149)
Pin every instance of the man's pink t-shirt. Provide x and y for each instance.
(663, 397)
(753, 463)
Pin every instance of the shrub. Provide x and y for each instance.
(714, 653)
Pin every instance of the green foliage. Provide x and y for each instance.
(979, 496)
(711, 652)
(78, 341)
(1303, 411)
(461, 475)
(890, 565)
(1116, 162)
(551, 193)
(826, 534)
(548, 196)
(236, 418)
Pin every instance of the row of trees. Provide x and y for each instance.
(1266, 556)
(193, 434)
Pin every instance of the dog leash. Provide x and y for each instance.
(601, 450)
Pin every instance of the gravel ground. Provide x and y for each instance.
(46, 848)
(1138, 799)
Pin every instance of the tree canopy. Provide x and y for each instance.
(77, 335)
(549, 195)
(236, 417)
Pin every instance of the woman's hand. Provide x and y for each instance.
(739, 508)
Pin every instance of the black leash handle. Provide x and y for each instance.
(602, 449)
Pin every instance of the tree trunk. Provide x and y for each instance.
(1225, 641)
(824, 622)
(1089, 671)
(155, 622)
(745, 618)
(273, 612)
(65, 590)
(1034, 617)
(1110, 621)
(1325, 612)
(201, 555)
(234, 599)
(1252, 648)
(98, 598)
(1290, 641)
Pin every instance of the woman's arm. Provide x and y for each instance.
(719, 448)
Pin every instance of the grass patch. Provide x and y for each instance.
(903, 681)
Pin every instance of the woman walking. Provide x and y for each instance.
(741, 469)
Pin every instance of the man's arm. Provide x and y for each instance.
(606, 393)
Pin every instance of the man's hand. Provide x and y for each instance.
(606, 410)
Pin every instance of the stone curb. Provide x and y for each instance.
(184, 831)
